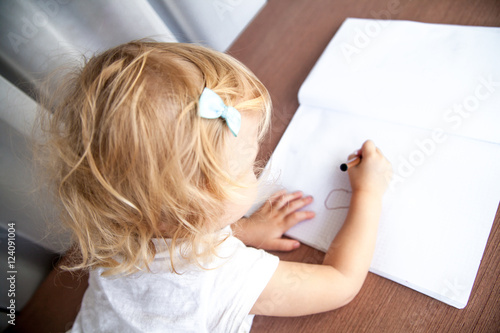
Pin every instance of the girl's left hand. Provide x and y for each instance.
(264, 229)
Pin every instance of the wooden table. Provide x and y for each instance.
(281, 46)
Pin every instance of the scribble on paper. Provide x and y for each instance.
(338, 198)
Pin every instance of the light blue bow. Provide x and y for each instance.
(211, 106)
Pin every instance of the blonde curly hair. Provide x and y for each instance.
(131, 160)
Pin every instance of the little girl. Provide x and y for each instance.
(153, 149)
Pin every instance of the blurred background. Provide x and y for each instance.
(36, 38)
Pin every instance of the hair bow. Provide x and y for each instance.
(211, 106)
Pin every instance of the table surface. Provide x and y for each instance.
(281, 46)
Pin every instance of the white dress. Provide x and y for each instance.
(198, 300)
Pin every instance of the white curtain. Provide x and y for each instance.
(37, 37)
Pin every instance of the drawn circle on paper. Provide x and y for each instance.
(338, 198)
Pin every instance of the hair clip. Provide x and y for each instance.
(211, 106)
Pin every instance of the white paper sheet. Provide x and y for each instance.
(445, 192)
(437, 213)
(420, 74)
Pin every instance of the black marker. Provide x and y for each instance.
(350, 164)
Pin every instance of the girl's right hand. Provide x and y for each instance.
(373, 174)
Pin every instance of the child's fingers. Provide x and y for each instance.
(297, 204)
(368, 148)
(282, 244)
(352, 157)
(276, 195)
(294, 218)
(273, 201)
(285, 199)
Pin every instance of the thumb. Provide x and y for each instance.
(368, 148)
(281, 244)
